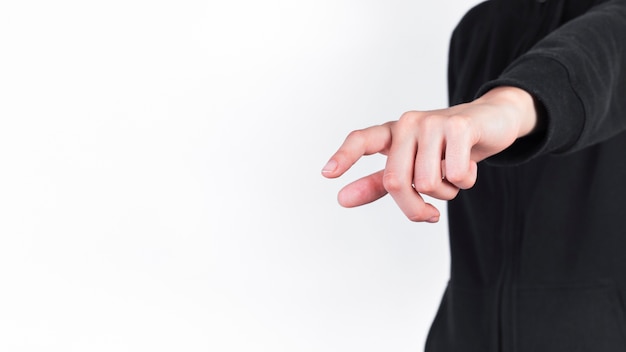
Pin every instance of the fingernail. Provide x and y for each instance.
(433, 220)
(330, 166)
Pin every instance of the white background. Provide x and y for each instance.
(160, 184)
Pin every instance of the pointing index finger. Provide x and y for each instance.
(367, 141)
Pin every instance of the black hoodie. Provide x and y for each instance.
(538, 245)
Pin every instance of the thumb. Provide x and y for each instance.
(362, 191)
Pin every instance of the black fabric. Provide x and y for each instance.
(538, 245)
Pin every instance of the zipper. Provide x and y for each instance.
(510, 263)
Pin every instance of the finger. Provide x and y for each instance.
(398, 177)
(428, 178)
(460, 169)
(362, 191)
(358, 143)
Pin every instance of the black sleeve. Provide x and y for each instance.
(577, 75)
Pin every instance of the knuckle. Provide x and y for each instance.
(409, 115)
(357, 136)
(408, 120)
(449, 195)
(462, 181)
(428, 122)
(455, 177)
(392, 183)
(424, 185)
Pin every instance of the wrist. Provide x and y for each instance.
(522, 105)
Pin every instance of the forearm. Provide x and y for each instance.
(576, 73)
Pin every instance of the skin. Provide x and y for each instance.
(433, 153)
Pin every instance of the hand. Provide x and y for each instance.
(433, 152)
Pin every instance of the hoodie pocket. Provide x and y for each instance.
(574, 318)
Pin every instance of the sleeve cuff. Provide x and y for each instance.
(560, 111)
